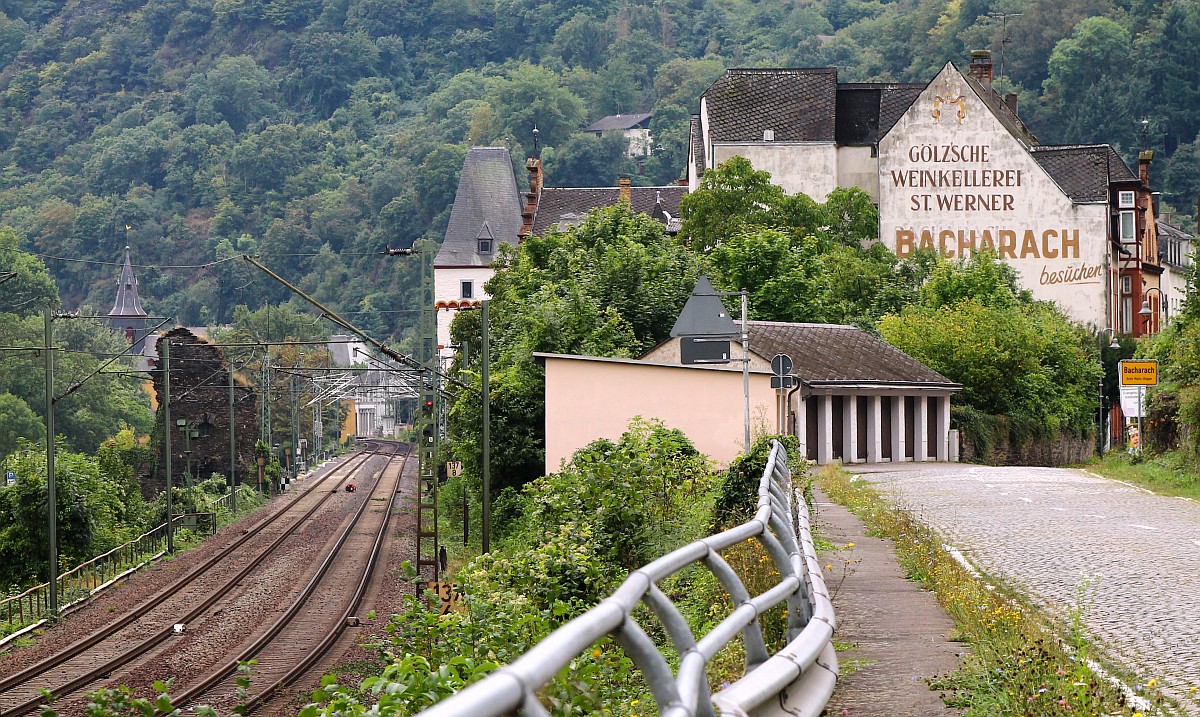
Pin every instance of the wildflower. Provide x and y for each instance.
(1152, 682)
(849, 545)
(596, 652)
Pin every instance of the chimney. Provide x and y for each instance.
(532, 198)
(981, 67)
(534, 166)
(1145, 157)
(1011, 101)
(623, 188)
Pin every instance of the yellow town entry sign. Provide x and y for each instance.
(1139, 373)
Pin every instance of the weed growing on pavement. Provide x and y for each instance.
(1017, 664)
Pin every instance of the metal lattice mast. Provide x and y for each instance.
(428, 426)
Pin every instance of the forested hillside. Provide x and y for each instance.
(319, 131)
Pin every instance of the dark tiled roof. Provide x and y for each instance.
(697, 140)
(797, 105)
(127, 303)
(866, 111)
(619, 122)
(1166, 229)
(894, 101)
(559, 208)
(486, 203)
(832, 353)
(1083, 171)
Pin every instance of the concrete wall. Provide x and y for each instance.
(588, 398)
(952, 178)
(808, 167)
(858, 167)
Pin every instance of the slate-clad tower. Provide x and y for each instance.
(127, 315)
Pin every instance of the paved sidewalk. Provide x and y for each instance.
(896, 631)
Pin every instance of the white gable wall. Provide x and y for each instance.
(808, 167)
(952, 178)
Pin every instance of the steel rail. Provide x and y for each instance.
(79, 647)
(214, 678)
(798, 680)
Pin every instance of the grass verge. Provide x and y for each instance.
(1019, 662)
(1170, 473)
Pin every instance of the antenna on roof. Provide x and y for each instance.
(1004, 39)
(535, 140)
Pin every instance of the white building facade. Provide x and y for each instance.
(953, 169)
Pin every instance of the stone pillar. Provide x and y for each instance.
(898, 428)
(921, 430)
(874, 428)
(802, 424)
(825, 429)
(850, 437)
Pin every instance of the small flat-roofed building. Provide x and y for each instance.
(856, 398)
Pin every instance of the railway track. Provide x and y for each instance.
(316, 618)
(126, 643)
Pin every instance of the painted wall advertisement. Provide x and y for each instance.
(955, 180)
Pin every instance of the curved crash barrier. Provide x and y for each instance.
(797, 681)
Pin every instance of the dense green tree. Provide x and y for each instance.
(28, 288)
(237, 91)
(586, 160)
(1014, 357)
(18, 421)
(1085, 94)
(611, 286)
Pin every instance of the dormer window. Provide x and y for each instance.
(485, 240)
(1125, 200)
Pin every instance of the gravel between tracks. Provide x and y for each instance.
(351, 658)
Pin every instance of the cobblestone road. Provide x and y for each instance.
(1049, 532)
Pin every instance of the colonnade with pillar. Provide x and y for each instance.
(874, 427)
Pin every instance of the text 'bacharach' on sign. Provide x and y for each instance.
(1139, 373)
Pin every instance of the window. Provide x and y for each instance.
(1126, 285)
(1125, 200)
(485, 246)
(468, 289)
(1127, 228)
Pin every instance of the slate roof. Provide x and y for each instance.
(704, 314)
(698, 159)
(127, 303)
(797, 105)
(1083, 171)
(837, 354)
(619, 122)
(486, 203)
(866, 111)
(561, 207)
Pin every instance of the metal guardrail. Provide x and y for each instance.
(798, 680)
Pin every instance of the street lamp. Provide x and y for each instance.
(1162, 302)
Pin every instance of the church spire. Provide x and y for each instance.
(127, 304)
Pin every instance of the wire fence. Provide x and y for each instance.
(797, 680)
